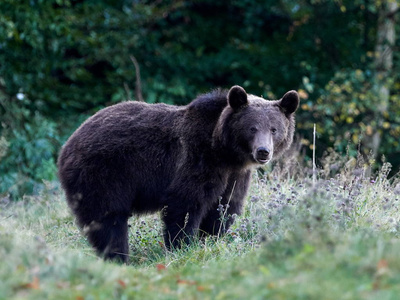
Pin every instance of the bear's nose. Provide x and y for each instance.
(262, 155)
(262, 151)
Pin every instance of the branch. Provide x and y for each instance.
(138, 85)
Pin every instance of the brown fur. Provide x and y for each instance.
(135, 158)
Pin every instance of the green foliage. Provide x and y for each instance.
(28, 147)
(75, 55)
(71, 58)
(346, 114)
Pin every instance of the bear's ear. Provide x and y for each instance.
(237, 97)
(289, 102)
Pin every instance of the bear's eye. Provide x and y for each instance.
(253, 130)
(273, 130)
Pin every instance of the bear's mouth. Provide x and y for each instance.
(262, 161)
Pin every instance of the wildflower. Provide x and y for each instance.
(254, 199)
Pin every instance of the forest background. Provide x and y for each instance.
(63, 60)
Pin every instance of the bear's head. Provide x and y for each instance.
(252, 130)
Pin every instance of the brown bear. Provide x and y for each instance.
(138, 158)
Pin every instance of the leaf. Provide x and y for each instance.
(303, 94)
(34, 285)
(63, 285)
(382, 264)
(161, 267)
(121, 283)
(382, 267)
(188, 282)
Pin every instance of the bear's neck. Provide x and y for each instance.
(226, 157)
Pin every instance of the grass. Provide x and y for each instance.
(335, 239)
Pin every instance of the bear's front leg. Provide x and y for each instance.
(220, 217)
(186, 203)
(181, 225)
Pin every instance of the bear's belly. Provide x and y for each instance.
(148, 197)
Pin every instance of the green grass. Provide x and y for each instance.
(335, 239)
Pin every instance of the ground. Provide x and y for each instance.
(332, 239)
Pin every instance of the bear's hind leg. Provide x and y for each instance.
(109, 237)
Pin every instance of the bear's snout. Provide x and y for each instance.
(262, 155)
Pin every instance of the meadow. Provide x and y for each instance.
(335, 237)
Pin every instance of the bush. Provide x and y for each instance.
(29, 145)
(347, 116)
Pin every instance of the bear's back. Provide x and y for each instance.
(123, 126)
